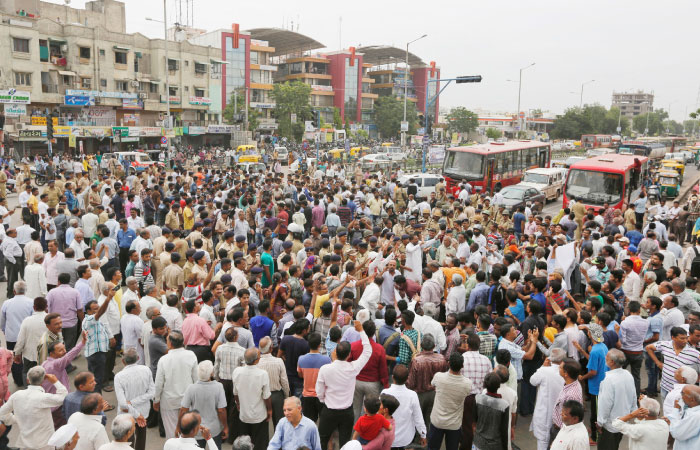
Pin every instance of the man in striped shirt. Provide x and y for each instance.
(569, 370)
(676, 353)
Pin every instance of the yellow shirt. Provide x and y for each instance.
(188, 218)
(33, 203)
(320, 300)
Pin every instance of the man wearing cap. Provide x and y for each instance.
(54, 194)
(172, 219)
(195, 234)
(240, 244)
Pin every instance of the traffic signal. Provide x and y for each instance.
(49, 126)
(316, 119)
(429, 129)
(469, 79)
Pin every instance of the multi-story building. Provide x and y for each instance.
(82, 65)
(633, 104)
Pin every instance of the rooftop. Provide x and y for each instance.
(386, 54)
(285, 41)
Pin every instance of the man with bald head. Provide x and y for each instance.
(251, 392)
(279, 384)
(685, 423)
(289, 435)
(190, 424)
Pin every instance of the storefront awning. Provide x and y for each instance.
(67, 73)
(202, 62)
(58, 41)
(154, 82)
(124, 49)
(218, 61)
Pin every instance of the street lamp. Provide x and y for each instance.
(520, 86)
(582, 85)
(167, 83)
(405, 90)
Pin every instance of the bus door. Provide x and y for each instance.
(488, 184)
(542, 156)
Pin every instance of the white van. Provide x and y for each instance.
(549, 181)
(282, 155)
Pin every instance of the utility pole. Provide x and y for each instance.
(167, 68)
(520, 85)
(580, 105)
(405, 90)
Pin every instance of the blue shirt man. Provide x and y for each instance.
(518, 220)
(478, 296)
(294, 430)
(125, 236)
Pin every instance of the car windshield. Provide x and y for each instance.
(512, 194)
(667, 180)
(536, 178)
(464, 165)
(594, 187)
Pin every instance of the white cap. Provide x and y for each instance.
(62, 436)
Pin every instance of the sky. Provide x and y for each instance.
(624, 45)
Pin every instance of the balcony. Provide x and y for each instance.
(49, 88)
(60, 61)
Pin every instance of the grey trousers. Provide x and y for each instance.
(426, 400)
(363, 389)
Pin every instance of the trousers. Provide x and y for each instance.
(467, 422)
(312, 407)
(259, 433)
(436, 435)
(609, 440)
(426, 400)
(17, 376)
(335, 419)
(277, 400)
(362, 390)
(635, 363)
(170, 417)
(96, 364)
(138, 439)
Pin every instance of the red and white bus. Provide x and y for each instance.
(596, 141)
(493, 165)
(611, 178)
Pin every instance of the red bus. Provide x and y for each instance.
(611, 178)
(493, 165)
(596, 140)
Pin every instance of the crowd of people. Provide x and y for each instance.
(293, 310)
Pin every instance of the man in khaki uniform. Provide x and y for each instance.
(252, 259)
(53, 193)
(227, 244)
(172, 219)
(3, 183)
(173, 276)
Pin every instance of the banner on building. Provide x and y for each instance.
(200, 101)
(132, 103)
(150, 131)
(79, 100)
(41, 121)
(220, 129)
(436, 154)
(15, 110)
(62, 131)
(15, 96)
(71, 141)
(120, 131)
(196, 131)
(105, 94)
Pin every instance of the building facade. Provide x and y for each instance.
(633, 104)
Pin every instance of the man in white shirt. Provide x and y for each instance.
(573, 434)
(371, 296)
(408, 417)
(176, 371)
(32, 409)
(88, 422)
(251, 392)
(550, 384)
(190, 426)
(134, 388)
(335, 386)
(632, 284)
(131, 326)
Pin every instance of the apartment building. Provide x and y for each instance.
(633, 104)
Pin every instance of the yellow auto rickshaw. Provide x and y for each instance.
(359, 152)
(336, 153)
(673, 164)
(669, 182)
(245, 148)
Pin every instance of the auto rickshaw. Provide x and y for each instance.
(359, 152)
(249, 159)
(669, 182)
(672, 164)
(336, 153)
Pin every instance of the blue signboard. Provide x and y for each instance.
(80, 100)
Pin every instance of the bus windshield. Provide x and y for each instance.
(594, 188)
(464, 165)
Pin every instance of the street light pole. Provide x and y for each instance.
(582, 85)
(405, 91)
(520, 86)
(167, 82)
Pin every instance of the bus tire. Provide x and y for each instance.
(558, 194)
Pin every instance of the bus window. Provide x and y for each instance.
(527, 156)
(514, 161)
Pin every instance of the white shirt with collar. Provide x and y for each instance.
(407, 417)
(111, 318)
(176, 371)
(572, 437)
(134, 384)
(90, 429)
(186, 444)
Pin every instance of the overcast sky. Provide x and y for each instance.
(621, 44)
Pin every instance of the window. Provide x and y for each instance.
(429, 182)
(200, 68)
(187, 89)
(84, 52)
(173, 64)
(121, 85)
(102, 52)
(173, 90)
(153, 88)
(67, 80)
(187, 63)
(198, 92)
(86, 83)
(119, 57)
(20, 45)
(103, 83)
(43, 50)
(23, 79)
(254, 58)
(136, 64)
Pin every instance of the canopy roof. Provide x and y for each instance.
(386, 54)
(285, 41)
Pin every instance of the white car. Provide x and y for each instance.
(426, 182)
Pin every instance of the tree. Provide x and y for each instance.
(461, 120)
(337, 120)
(389, 114)
(591, 119)
(654, 120)
(493, 133)
(672, 127)
(291, 98)
(233, 115)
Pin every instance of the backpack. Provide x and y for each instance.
(695, 264)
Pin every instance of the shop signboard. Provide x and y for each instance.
(104, 113)
(106, 94)
(132, 103)
(120, 131)
(200, 101)
(150, 131)
(436, 154)
(31, 133)
(196, 130)
(15, 96)
(79, 100)
(41, 121)
(220, 129)
(15, 110)
(61, 131)
(134, 132)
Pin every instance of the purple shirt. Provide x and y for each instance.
(58, 367)
(65, 301)
(318, 216)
